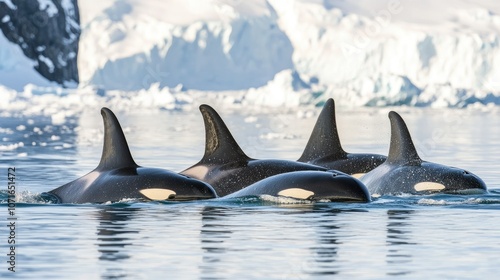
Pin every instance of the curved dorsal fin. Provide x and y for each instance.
(401, 151)
(115, 152)
(324, 140)
(220, 146)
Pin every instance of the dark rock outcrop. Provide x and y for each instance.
(48, 32)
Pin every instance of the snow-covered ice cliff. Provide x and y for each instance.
(291, 52)
(427, 53)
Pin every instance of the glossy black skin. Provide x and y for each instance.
(351, 163)
(118, 177)
(324, 147)
(404, 169)
(397, 179)
(234, 176)
(329, 185)
(118, 184)
(226, 167)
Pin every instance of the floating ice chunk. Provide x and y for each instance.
(11, 147)
(58, 118)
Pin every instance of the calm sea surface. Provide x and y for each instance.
(408, 237)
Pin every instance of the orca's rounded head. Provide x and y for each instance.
(195, 190)
(330, 185)
(341, 187)
(438, 178)
(463, 181)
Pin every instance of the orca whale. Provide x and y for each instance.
(324, 148)
(405, 172)
(226, 167)
(118, 176)
(311, 185)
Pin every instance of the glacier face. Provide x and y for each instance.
(363, 53)
(287, 53)
(124, 48)
(391, 52)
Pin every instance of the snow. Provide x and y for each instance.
(167, 53)
(47, 62)
(175, 12)
(48, 6)
(9, 4)
(69, 11)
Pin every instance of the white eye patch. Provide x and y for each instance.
(158, 194)
(429, 186)
(296, 193)
(358, 175)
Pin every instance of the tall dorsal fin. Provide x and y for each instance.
(115, 152)
(220, 146)
(324, 140)
(401, 151)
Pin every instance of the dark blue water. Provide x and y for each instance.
(410, 237)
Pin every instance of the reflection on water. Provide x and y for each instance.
(399, 257)
(113, 235)
(213, 234)
(325, 252)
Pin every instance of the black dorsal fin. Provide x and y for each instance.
(324, 140)
(401, 151)
(220, 146)
(115, 152)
